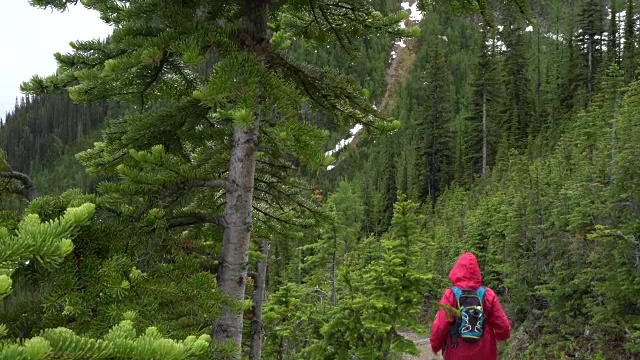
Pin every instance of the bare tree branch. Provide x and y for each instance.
(28, 189)
(180, 189)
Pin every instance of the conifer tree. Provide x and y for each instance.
(251, 96)
(613, 50)
(257, 324)
(483, 129)
(554, 223)
(517, 104)
(389, 186)
(617, 246)
(122, 342)
(48, 243)
(433, 144)
(337, 238)
(590, 33)
(629, 49)
(572, 79)
(40, 129)
(381, 298)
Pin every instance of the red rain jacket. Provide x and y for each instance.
(466, 275)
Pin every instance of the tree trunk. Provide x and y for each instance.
(334, 266)
(535, 199)
(257, 327)
(538, 122)
(629, 44)
(432, 157)
(590, 70)
(299, 264)
(484, 124)
(612, 46)
(234, 256)
(613, 136)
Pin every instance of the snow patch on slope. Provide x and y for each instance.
(344, 142)
(415, 15)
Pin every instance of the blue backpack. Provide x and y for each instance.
(469, 324)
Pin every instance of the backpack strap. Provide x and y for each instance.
(480, 292)
(453, 333)
(456, 290)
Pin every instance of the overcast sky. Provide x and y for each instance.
(29, 37)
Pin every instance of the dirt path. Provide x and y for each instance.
(423, 344)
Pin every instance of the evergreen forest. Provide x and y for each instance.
(263, 179)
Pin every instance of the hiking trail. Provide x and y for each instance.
(423, 344)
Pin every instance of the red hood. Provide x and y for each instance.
(466, 272)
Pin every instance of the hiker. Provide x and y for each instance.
(474, 334)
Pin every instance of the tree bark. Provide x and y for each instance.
(27, 189)
(257, 326)
(232, 272)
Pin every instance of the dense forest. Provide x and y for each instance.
(295, 180)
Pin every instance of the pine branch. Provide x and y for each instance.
(153, 79)
(629, 204)
(214, 183)
(205, 254)
(274, 230)
(327, 92)
(279, 166)
(197, 220)
(280, 182)
(289, 196)
(330, 23)
(61, 5)
(184, 187)
(278, 219)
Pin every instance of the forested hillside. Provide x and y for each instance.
(295, 181)
(42, 135)
(514, 147)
